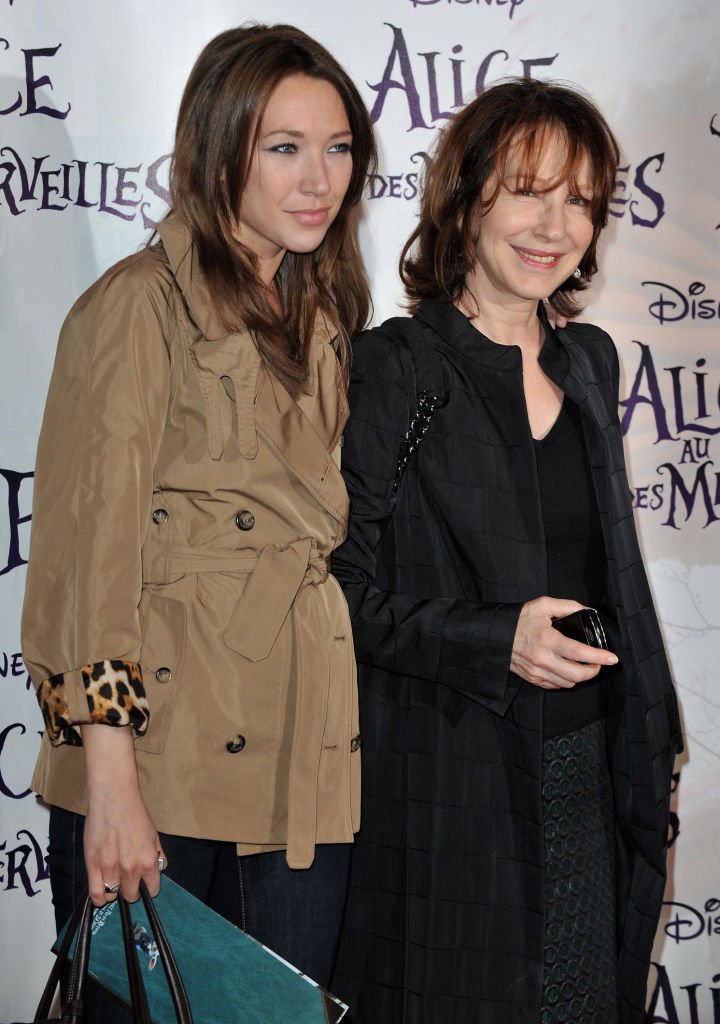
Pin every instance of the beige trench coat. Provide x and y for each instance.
(185, 509)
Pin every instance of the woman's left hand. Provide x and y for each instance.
(543, 657)
(121, 843)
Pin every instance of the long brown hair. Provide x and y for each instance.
(514, 118)
(217, 129)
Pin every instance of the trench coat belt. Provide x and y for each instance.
(281, 581)
(275, 575)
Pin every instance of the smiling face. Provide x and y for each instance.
(299, 172)
(536, 232)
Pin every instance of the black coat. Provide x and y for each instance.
(445, 917)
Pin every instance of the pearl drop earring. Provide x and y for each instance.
(577, 272)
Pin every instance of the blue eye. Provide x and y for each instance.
(284, 147)
(341, 147)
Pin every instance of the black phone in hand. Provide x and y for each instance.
(583, 625)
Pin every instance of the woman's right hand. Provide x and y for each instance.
(121, 843)
(542, 656)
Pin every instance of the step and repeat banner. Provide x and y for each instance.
(88, 96)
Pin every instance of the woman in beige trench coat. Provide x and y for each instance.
(191, 651)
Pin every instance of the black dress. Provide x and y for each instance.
(578, 819)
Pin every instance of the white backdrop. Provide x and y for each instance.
(88, 97)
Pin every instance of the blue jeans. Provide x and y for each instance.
(297, 914)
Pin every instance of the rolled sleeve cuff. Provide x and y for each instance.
(107, 692)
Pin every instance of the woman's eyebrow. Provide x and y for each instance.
(295, 133)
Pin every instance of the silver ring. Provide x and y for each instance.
(161, 863)
(113, 889)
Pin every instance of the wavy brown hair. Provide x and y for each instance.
(511, 120)
(217, 130)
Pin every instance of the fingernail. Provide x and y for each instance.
(613, 659)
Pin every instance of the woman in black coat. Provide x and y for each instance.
(511, 861)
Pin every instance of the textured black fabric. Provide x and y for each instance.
(445, 914)
(579, 985)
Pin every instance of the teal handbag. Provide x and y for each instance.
(215, 968)
(78, 931)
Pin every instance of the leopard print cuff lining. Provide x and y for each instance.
(115, 696)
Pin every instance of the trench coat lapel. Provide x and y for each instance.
(306, 444)
(304, 432)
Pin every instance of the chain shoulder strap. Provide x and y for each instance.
(427, 404)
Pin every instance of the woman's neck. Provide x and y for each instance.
(504, 324)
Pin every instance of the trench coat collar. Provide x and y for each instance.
(185, 266)
(184, 263)
(304, 431)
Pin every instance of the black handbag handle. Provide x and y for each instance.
(81, 919)
(81, 923)
(167, 959)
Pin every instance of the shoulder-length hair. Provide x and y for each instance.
(512, 120)
(217, 131)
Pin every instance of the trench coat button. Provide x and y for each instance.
(245, 520)
(355, 744)
(160, 515)
(164, 674)
(235, 745)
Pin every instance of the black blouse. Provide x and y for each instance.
(576, 564)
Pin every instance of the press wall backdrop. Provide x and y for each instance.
(88, 95)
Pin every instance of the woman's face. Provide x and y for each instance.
(299, 172)
(532, 241)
